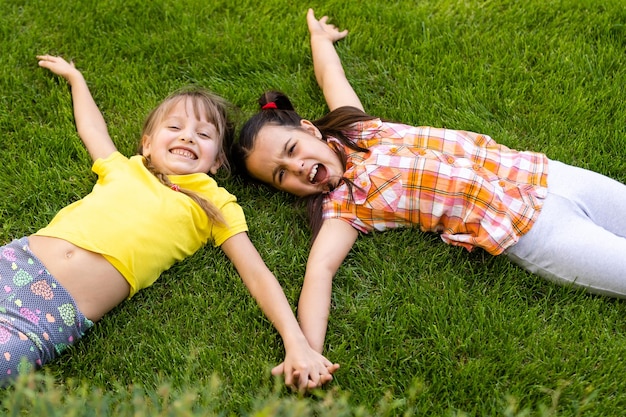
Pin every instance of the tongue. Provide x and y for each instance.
(320, 175)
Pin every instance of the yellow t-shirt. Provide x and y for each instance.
(141, 226)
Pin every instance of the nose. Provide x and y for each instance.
(186, 136)
(296, 166)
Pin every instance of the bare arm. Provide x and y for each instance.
(90, 124)
(309, 368)
(331, 246)
(327, 66)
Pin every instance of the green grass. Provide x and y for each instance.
(418, 327)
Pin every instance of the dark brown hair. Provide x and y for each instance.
(336, 124)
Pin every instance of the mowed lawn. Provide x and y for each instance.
(418, 327)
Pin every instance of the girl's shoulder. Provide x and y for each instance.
(365, 129)
(374, 129)
(111, 162)
(371, 124)
(204, 185)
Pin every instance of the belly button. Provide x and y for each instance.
(68, 255)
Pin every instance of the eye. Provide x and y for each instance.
(204, 135)
(173, 127)
(281, 175)
(291, 149)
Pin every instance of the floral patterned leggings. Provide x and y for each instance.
(38, 317)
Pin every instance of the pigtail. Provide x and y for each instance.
(209, 208)
(275, 100)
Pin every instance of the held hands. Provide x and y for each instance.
(60, 67)
(321, 28)
(306, 371)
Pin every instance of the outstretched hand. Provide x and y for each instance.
(301, 377)
(321, 28)
(59, 66)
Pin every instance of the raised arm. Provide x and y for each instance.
(90, 124)
(329, 72)
(331, 246)
(304, 368)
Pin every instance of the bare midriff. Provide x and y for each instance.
(95, 284)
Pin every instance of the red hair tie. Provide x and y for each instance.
(270, 105)
(175, 187)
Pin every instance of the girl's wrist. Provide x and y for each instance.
(295, 339)
(323, 37)
(74, 78)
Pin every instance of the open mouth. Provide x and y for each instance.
(318, 174)
(185, 153)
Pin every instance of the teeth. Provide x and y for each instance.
(184, 152)
(313, 172)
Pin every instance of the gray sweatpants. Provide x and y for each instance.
(579, 237)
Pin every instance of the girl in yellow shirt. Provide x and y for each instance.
(102, 249)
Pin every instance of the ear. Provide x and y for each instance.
(216, 165)
(145, 145)
(310, 128)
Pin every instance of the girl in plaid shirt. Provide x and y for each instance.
(361, 173)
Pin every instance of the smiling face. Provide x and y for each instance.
(294, 160)
(183, 141)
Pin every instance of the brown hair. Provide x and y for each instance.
(204, 103)
(337, 124)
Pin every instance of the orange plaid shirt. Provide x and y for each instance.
(462, 185)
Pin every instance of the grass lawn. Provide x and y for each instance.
(418, 327)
